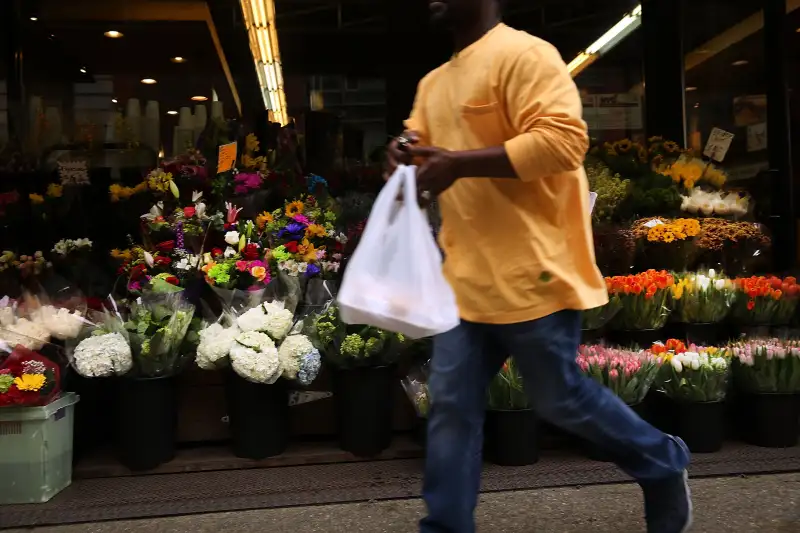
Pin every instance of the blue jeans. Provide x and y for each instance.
(464, 362)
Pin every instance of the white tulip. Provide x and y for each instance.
(676, 364)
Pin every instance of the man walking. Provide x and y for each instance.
(500, 140)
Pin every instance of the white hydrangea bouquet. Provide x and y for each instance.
(102, 349)
(259, 346)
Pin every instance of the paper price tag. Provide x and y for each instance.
(226, 157)
(719, 142)
(653, 223)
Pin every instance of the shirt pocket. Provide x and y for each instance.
(482, 124)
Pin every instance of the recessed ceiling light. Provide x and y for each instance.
(740, 63)
(199, 98)
(113, 34)
(172, 112)
(113, 100)
(690, 89)
(34, 19)
(148, 81)
(178, 59)
(83, 70)
(696, 106)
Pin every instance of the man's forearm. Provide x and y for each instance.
(485, 163)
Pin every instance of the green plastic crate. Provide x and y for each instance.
(36, 450)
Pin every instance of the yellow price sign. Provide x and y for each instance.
(226, 157)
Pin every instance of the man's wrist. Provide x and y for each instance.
(460, 163)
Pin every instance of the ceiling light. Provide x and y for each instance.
(199, 98)
(113, 100)
(740, 63)
(34, 19)
(83, 70)
(113, 34)
(172, 112)
(690, 89)
(626, 25)
(148, 81)
(696, 106)
(178, 59)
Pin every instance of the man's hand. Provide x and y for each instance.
(398, 154)
(439, 170)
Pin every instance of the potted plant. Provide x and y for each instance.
(666, 243)
(645, 300)
(593, 321)
(363, 381)
(701, 302)
(767, 372)
(763, 301)
(696, 381)
(147, 408)
(510, 433)
(627, 373)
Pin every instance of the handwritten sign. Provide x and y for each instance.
(226, 157)
(719, 142)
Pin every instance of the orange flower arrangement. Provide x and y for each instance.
(766, 300)
(645, 299)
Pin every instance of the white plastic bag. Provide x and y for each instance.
(394, 279)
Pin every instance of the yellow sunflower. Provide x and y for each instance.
(251, 142)
(668, 237)
(36, 199)
(315, 230)
(671, 147)
(263, 219)
(295, 208)
(624, 146)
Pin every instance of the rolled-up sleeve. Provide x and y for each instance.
(544, 106)
(417, 121)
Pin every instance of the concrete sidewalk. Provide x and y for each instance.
(764, 504)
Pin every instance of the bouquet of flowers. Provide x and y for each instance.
(611, 191)
(506, 392)
(645, 300)
(64, 247)
(416, 386)
(628, 374)
(103, 348)
(665, 242)
(715, 203)
(594, 319)
(702, 298)
(689, 171)
(353, 345)
(28, 379)
(157, 326)
(763, 301)
(19, 331)
(303, 238)
(216, 341)
(694, 374)
(767, 366)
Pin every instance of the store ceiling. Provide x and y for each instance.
(69, 36)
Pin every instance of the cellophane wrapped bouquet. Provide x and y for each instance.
(348, 346)
(594, 319)
(103, 348)
(765, 300)
(767, 366)
(695, 374)
(416, 386)
(27, 378)
(157, 325)
(702, 298)
(628, 374)
(262, 346)
(645, 300)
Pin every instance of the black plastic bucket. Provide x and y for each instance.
(701, 425)
(643, 338)
(771, 420)
(258, 416)
(592, 336)
(364, 399)
(660, 411)
(146, 421)
(704, 334)
(511, 438)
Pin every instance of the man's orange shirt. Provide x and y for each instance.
(515, 249)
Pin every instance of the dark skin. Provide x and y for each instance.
(468, 21)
